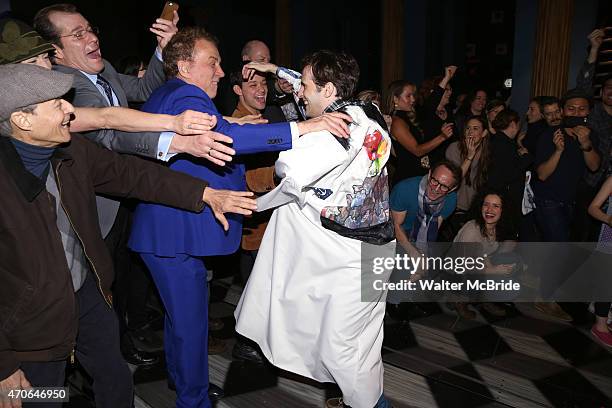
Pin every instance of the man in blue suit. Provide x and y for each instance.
(173, 242)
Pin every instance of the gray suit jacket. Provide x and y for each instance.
(126, 88)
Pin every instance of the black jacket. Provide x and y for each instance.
(506, 172)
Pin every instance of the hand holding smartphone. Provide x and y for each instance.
(168, 12)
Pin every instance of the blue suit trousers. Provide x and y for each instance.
(181, 282)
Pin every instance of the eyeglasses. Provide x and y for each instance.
(79, 35)
(435, 183)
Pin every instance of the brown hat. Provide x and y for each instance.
(19, 41)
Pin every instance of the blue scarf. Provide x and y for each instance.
(425, 227)
(36, 159)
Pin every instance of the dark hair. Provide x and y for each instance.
(606, 79)
(504, 118)
(465, 108)
(539, 100)
(181, 46)
(483, 162)
(452, 167)
(550, 100)
(576, 94)
(236, 77)
(394, 90)
(130, 65)
(494, 103)
(505, 227)
(426, 88)
(339, 68)
(43, 25)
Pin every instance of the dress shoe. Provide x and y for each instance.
(215, 393)
(140, 358)
(215, 346)
(243, 350)
(552, 309)
(145, 339)
(215, 324)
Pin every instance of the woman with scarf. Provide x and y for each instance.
(419, 205)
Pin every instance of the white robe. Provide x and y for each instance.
(302, 303)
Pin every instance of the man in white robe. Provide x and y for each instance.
(303, 302)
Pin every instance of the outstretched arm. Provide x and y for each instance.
(130, 120)
(401, 131)
(586, 74)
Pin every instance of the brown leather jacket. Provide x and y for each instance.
(38, 312)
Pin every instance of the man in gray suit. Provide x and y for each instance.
(97, 83)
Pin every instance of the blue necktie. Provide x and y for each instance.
(108, 90)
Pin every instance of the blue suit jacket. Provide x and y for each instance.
(166, 231)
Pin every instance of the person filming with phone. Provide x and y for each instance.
(563, 155)
(566, 152)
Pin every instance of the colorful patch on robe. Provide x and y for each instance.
(322, 193)
(366, 207)
(376, 148)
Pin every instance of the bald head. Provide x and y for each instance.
(256, 50)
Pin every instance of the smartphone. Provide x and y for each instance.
(573, 121)
(168, 11)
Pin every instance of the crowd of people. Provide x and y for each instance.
(283, 170)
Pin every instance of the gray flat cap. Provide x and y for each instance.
(25, 84)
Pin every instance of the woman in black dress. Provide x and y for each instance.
(411, 148)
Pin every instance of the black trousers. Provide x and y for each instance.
(47, 374)
(584, 228)
(132, 282)
(97, 349)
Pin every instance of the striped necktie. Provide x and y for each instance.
(108, 90)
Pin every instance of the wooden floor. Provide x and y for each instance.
(522, 360)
